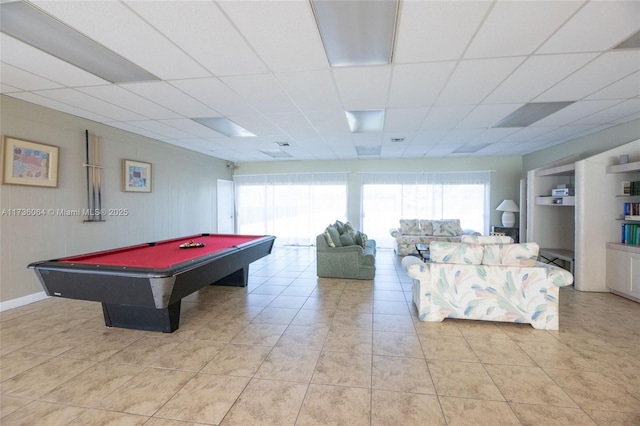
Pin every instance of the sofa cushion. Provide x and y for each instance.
(486, 239)
(339, 226)
(426, 226)
(447, 227)
(410, 227)
(361, 239)
(348, 229)
(442, 252)
(333, 236)
(511, 254)
(346, 240)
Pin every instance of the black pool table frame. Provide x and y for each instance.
(149, 299)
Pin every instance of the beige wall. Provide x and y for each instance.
(505, 179)
(182, 202)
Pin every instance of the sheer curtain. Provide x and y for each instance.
(295, 207)
(388, 197)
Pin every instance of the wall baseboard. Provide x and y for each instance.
(21, 301)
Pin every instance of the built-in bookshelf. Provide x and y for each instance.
(629, 194)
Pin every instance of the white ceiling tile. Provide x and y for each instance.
(474, 79)
(192, 127)
(446, 117)
(599, 25)
(404, 120)
(159, 127)
(373, 138)
(119, 96)
(562, 132)
(213, 93)
(526, 134)
(613, 113)
(262, 91)
(204, 32)
(329, 121)
(519, 27)
(89, 103)
(295, 45)
(37, 99)
(485, 116)
(418, 85)
(24, 80)
(363, 87)
(5, 88)
(627, 118)
(129, 127)
(621, 89)
(256, 124)
(599, 73)
(311, 90)
(575, 112)
(493, 135)
(428, 137)
(118, 28)
(436, 30)
(536, 75)
(37, 62)
(461, 136)
(290, 122)
(164, 94)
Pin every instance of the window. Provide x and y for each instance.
(294, 207)
(388, 197)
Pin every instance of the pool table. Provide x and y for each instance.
(141, 286)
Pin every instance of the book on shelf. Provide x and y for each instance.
(630, 234)
(632, 217)
(631, 209)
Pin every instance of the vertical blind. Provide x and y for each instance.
(388, 197)
(295, 207)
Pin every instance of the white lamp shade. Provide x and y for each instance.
(508, 217)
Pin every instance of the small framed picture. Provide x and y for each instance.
(626, 188)
(136, 176)
(29, 163)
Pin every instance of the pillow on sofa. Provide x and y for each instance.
(426, 226)
(346, 240)
(445, 252)
(361, 239)
(348, 229)
(332, 236)
(525, 254)
(410, 227)
(339, 226)
(446, 228)
(486, 239)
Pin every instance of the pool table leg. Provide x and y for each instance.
(140, 318)
(239, 278)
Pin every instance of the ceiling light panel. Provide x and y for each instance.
(365, 150)
(436, 30)
(294, 46)
(531, 113)
(597, 74)
(34, 27)
(190, 127)
(225, 126)
(463, 87)
(519, 28)
(223, 51)
(418, 85)
(35, 61)
(357, 33)
(469, 148)
(632, 42)
(365, 121)
(118, 28)
(609, 23)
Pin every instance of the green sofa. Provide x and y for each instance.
(351, 261)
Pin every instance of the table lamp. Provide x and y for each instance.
(508, 207)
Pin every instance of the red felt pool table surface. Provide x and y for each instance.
(163, 254)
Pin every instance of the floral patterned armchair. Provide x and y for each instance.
(494, 282)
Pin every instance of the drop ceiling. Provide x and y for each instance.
(458, 69)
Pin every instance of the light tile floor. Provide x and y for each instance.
(295, 349)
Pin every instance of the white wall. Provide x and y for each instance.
(505, 180)
(182, 201)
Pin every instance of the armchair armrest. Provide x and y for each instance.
(395, 232)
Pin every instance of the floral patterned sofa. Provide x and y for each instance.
(424, 231)
(493, 282)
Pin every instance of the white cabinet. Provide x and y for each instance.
(623, 270)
